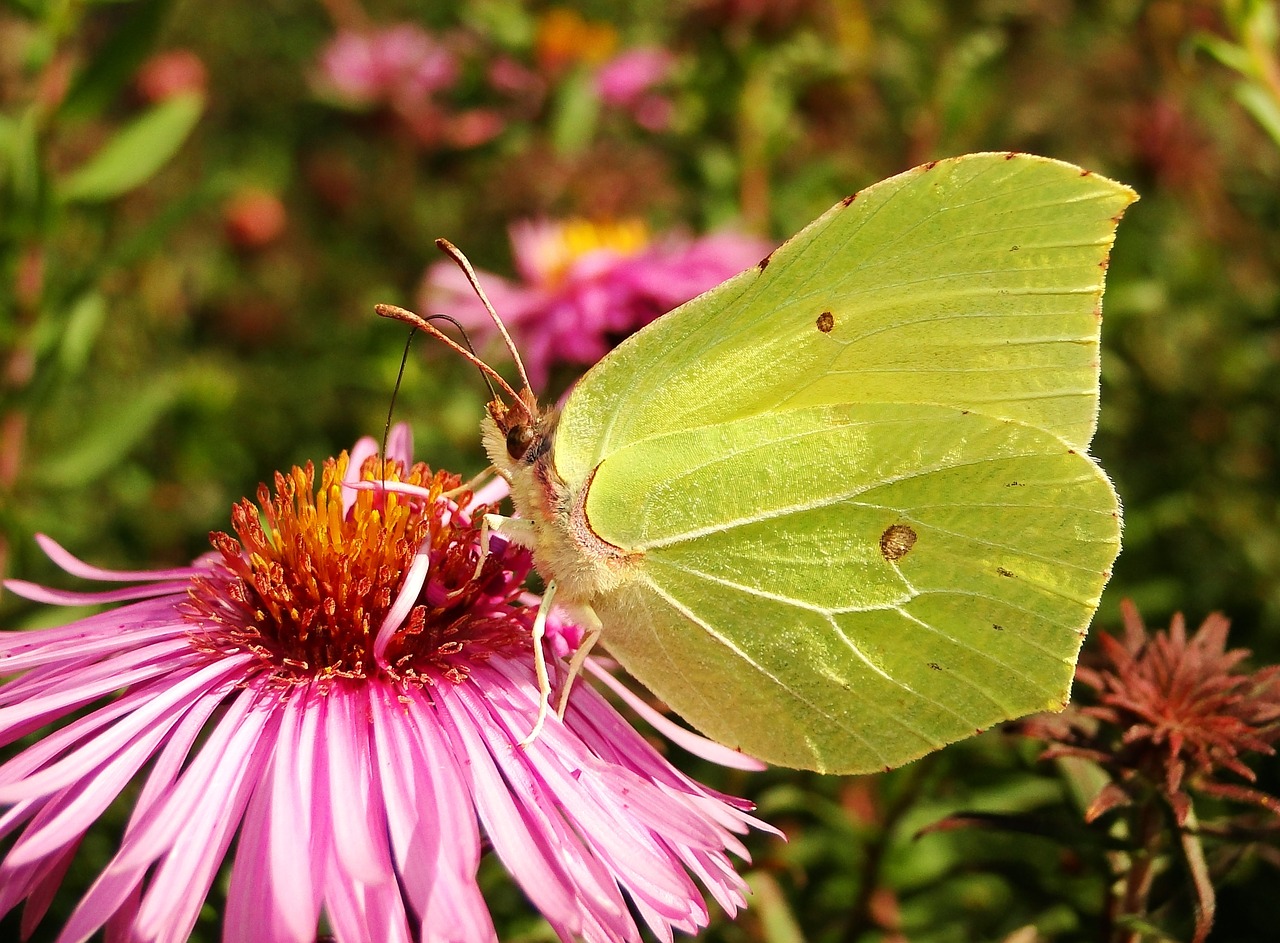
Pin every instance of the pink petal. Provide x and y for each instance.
(20, 651)
(182, 878)
(144, 707)
(454, 903)
(273, 895)
(76, 567)
(687, 739)
(118, 885)
(359, 835)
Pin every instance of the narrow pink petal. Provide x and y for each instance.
(399, 487)
(364, 449)
(618, 813)
(77, 567)
(68, 597)
(400, 443)
(119, 926)
(406, 599)
(46, 645)
(491, 492)
(455, 908)
(138, 617)
(181, 881)
(414, 820)
(18, 814)
(551, 860)
(26, 775)
(17, 880)
(694, 743)
(272, 895)
(90, 796)
(118, 885)
(155, 830)
(295, 866)
(252, 912)
(88, 684)
(361, 913)
(718, 876)
(100, 679)
(359, 832)
(48, 880)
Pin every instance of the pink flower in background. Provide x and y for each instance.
(404, 69)
(628, 80)
(164, 75)
(585, 286)
(399, 65)
(340, 689)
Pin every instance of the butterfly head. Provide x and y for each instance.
(517, 434)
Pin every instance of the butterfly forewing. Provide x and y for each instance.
(972, 282)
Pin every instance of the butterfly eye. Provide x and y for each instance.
(519, 438)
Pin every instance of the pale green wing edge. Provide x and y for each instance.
(973, 282)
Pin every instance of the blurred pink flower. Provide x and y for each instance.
(339, 687)
(586, 286)
(164, 75)
(399, 65)
(627, 82)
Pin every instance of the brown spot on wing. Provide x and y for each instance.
(826, 321)
(849, 199)
(896, 541)
(764, 263)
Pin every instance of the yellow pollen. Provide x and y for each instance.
(562, 244)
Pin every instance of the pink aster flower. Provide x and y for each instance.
(586, 286)
(628, 81)
(399, 65)
(338, 688)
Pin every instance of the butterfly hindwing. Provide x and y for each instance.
(878, 580)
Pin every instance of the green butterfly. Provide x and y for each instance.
(838, 511)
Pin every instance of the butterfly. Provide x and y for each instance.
(839, 511)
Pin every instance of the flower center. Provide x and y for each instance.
(560, 245)
(306, 583)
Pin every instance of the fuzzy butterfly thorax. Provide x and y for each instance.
(519, 440)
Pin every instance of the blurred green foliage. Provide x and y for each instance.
(187, 276)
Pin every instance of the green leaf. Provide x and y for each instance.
(109, 435)
(83, 325)
(1265, 109)
(1225, 52)
(577, 109)
(136, 154)
(103, 76)
(22, 165)
(769, 903)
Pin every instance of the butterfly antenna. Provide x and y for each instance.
(493, 391)
(391, 408)
(453, 252)
(396, 313)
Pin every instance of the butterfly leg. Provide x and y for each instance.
(586, 617)
(540, 663)
(515, 530)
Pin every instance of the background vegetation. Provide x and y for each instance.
(189, 260)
